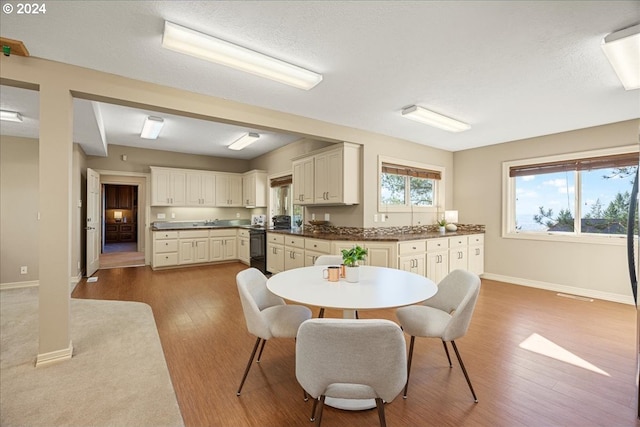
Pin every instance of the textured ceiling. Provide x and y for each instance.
(512, 70)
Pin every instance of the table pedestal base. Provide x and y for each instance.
(350, 404)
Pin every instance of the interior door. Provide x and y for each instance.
(93, 242)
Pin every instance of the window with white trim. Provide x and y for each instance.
(406, 186)
(584, 194)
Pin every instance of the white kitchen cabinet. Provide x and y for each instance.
(437, 259)
(228, 190)
(412, 256)
(275, 252)
(168, 187)
(222, 245)
(313, 248)
(293, 252)
(244, 253)
(303, 181)
(458, 248)
(476, 253)
(201, 188)
(330, 176)
(193, 246)
(165, 248)
(381, 254)
(254, 189)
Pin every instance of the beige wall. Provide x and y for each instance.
(18, 209)
(599, 270)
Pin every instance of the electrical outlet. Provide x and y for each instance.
(375, 217)
(327, 217)
(383, 217)
(173, 214)
(237, 214)
(23, 269)
(161, 216)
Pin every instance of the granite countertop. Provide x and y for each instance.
(387, 234)
(371, 236)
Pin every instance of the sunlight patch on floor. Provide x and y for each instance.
(539, 344)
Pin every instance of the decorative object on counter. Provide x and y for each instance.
(117, 215)
(452, 218)
(442, 224)
(350, 258)
(298, 223)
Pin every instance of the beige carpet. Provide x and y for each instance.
(117, 377)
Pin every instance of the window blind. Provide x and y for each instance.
(590, 163)
(281, 181)
(410, 171)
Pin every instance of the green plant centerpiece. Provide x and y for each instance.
(350, 258)
(442, 223)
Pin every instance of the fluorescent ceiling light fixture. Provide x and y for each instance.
(152, 127)
(244, 141)
(422, 115)
(10, 116)
(623, 51)
(203, 46)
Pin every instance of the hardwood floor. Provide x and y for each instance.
(206, 345)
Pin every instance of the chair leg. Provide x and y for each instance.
(306, 396)
(246, 371)
(261, 350)
(464, 370)
(446, 350)
(380, 405)
(320, 410)
(321, 314)
(357, 315)
(312, 418)
(406, 386)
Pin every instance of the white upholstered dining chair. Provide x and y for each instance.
(446, 315)
(351, 359)
(327, 260)
(267, 315)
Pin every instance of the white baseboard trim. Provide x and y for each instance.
(18, 285)
(607, 296)
(73, 281)
(45, 359)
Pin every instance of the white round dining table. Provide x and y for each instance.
(378, 288)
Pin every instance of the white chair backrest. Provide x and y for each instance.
(370, 352)
(255, 297)
(328, 260)
(457, 294)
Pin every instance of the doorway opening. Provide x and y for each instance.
(120, 245)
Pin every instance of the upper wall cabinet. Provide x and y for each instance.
(330, 176)
(303, 181)
(254, 189)
(228, 190)
(119, 196)
(168, 187)
(201, 188)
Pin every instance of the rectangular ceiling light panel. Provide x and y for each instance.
(430, 118)
(622, 48)
(203, 46)
(10, 116)
(152, 127)
(244, 141)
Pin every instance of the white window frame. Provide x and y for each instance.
(509, 196)
(438, 188)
